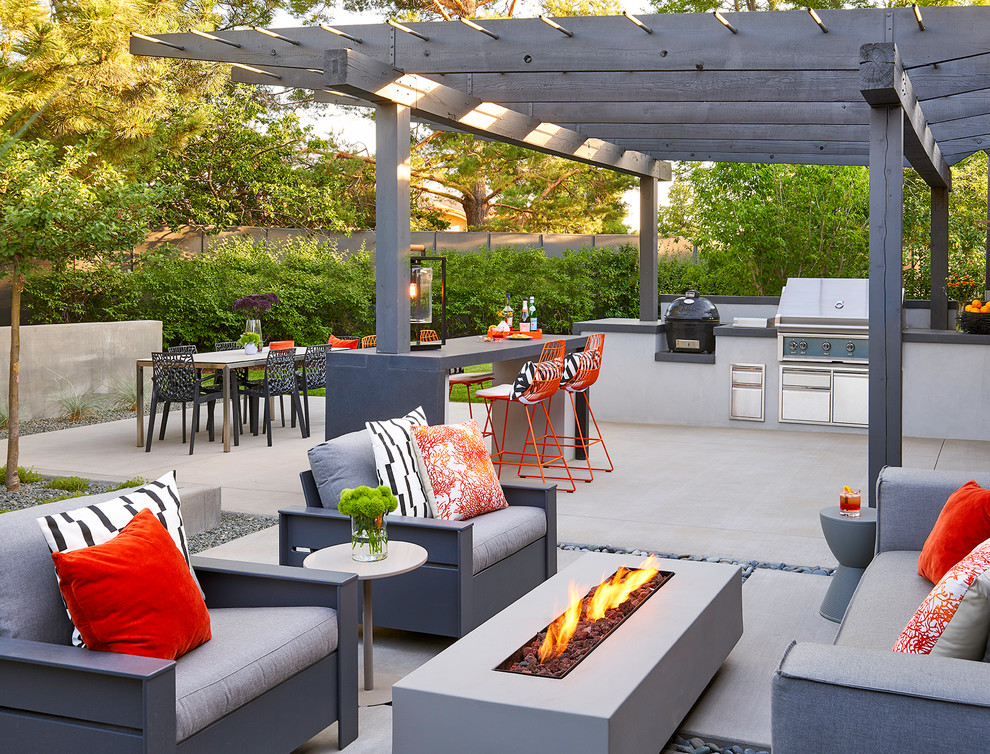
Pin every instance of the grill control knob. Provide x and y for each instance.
(850, 347)
(792, 345)
(803, 345)
(826, 346)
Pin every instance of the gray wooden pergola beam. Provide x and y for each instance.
(358, 75)
(884, 82)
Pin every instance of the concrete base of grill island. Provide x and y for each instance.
(628, 695)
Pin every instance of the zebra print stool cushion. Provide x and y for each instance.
(577, 361)
(397, 464)
(523, 380)
(101, 522)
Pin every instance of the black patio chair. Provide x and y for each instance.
(225, 345)
(280, 379)
(174, 380)
(312, 376)
(167, 407)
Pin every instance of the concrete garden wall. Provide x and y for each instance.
(84, 357)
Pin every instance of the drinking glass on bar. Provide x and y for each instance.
(849, 502)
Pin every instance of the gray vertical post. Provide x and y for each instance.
(986, 293)
(392, 227)
(886, 281)
(648, 284)
(940, 258)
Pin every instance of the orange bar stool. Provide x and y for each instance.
(535, 385)
(580, 373)
(468, 379)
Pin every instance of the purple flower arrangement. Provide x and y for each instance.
(254, 305)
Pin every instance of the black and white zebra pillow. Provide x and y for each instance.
(523, 380)
(396, 462)
(101, 522)
(577, 361)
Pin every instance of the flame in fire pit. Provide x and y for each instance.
(609, 594)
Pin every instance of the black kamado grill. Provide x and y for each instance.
(690, 324)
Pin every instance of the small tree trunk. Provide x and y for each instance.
(475, 205)
(13, 424)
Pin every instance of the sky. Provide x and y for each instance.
(347, 125)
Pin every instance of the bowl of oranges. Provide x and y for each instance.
(975, 318)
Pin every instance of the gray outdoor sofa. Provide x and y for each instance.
(281, 666)
(857, 695)
(474, 568)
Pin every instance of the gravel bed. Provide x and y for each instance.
(100, 415)
(231, 526)
(678, 745)
(748, 566)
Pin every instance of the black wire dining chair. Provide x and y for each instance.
(280, 379)
(167, 409)
(174, 380)
(313, 375)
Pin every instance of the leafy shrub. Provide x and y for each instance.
(69, 484)
(26, 476)
(135, 482)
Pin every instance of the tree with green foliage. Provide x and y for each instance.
(757, 225)
(58, 207)
(507, 188)
(246, 166)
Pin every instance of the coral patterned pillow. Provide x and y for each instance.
(954, 619)
(459, 470)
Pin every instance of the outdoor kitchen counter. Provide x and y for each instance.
(364, 385)
(944, 377)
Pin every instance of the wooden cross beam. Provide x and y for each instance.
(884, 82)
(353, 73)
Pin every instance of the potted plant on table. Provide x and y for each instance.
(253, 306)
(367, 508)
(250, 342)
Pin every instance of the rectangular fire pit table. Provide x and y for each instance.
(628, 695)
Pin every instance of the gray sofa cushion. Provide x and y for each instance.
(30, 604)
(252, 650)
(500, 533)
(343, 462)
(888, 595)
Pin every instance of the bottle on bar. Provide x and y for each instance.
(507, 312)
(532, 315)
(524, 316)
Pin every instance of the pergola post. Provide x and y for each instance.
(648, 249)
(886, 282)
(986, 292)
(392, 227)
(939, 258)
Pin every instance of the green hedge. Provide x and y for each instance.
(320, 291)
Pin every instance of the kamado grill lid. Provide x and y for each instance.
(692, 307)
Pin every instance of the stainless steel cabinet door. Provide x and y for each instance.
(850, 398)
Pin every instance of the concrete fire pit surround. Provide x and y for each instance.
(629, 695)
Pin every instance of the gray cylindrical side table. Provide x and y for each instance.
(852, 541)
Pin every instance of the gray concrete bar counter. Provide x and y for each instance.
(364, 385)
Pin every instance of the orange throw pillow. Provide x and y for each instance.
(963, 524)
(338, 343)
(459, 470)
(134, 594)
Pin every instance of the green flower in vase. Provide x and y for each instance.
(367, 508)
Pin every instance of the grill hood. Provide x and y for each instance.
(834, 305)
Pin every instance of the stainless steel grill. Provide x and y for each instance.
(824, 320)
(823, 349)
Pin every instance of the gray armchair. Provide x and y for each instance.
(281, 666)
(474, 569)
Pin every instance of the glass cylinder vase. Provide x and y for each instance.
(254, 325)
(369, 538)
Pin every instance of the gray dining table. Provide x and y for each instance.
(226, 362)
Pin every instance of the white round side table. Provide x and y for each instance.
(402, 558)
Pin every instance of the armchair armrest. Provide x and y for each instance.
(909, 502)
(55, 697)
(850, 699)
(234, 583)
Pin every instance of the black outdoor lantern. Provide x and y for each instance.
(421, 283)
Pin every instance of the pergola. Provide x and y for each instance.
(879, 87)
